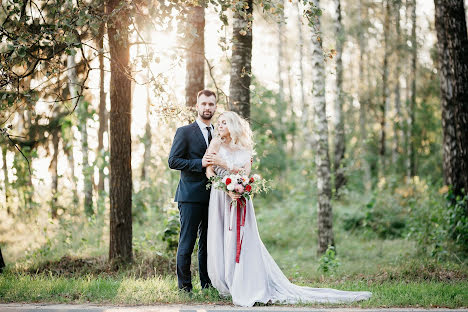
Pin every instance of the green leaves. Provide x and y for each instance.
(328, 261)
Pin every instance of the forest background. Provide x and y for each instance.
(351, 122)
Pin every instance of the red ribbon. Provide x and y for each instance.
(241, 212)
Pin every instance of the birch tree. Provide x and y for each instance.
(322, 160)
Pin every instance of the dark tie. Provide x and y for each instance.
(209, 134)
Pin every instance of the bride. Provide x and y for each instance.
(248, 273)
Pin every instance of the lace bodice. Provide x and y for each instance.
(234, 158)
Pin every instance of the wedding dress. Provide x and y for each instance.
(256, 277)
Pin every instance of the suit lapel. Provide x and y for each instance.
(199, 134)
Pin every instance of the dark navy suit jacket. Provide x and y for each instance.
(186, 155)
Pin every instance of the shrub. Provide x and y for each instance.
(328, 261)
(381, 217)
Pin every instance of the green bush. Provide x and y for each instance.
(457, 217)
(380, 217)
(170, 233)
(438, 223)
(328, 261)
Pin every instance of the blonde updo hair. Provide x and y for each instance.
(239, 129)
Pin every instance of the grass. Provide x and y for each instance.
(160, 290)
(66, 260)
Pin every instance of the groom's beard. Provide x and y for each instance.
(207, 115)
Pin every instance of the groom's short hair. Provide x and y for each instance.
(206, 92)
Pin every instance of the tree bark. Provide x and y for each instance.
(241, 68)
(280, 51)
(6, 182)
(2, 263)
(363, 94)
(53, 168)
(450, 23)
(67, 144)
(120, 246)
(340, 145)
(103, 114)
(303, 103)
(87, 170)
(412, 105)
(399, 117)
(385, 89)
(322, 160)
(195, 66)
(147, 139)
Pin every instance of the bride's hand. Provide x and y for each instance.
(210, 173)
(214, 159)
(234, 195)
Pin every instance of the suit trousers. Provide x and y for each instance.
(193, 220)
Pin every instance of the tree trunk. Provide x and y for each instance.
(279, 48)
(147, 138)
(303, 103)
(195, 57)
(239, 88)
(195, 66)
(363, 94)
(322, 161)
(412, 105)
(399, 117)
(450, 23)
(103, 114)
(67, 144)
(87, 170)
(53, 172)
(385, 95)
(6, 182)
(2, 263)
(120, 246)
(293, 115)
(340, 144)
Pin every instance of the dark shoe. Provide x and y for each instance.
(185, 289)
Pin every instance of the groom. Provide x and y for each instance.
(187, 155)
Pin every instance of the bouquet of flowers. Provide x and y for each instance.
(238, 183)
(246, 187)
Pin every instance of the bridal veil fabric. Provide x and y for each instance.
(257, 277)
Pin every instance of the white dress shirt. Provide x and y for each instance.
(204, 130)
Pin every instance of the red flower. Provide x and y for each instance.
(248, 188)
(251, 180)
(228, 181)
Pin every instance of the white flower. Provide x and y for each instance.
(245, 180)
(256, 177)
(225, 178)
(231, 186)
